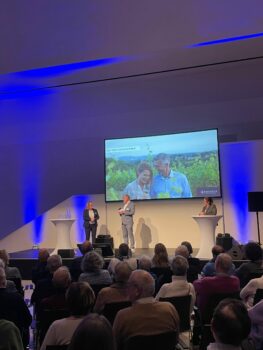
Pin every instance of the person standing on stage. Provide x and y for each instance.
(126, 213)
(90, 217)
(209, 207)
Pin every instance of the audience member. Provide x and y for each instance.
(61, 281)
(253, 253)
(256, 316)
(94, 332)
(13, 307)
(10, 285)
(40, 270)
(194, 265)
(92, 267)
(209, 268)
(179, 285)
(11, 272)
(206, 287)
(80, 300)
(117, 292)
(124, 254)
(75, 267)
(146, 316)
(230, 325)
(248, 293)
(10, 336)
(160, 258)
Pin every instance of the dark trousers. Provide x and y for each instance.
(93, 229)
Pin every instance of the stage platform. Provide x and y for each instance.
(25, 260)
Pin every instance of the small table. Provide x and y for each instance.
(63, 227)
(207, 225)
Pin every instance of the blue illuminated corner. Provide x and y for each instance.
(227, 40)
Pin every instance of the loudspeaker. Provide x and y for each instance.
(66, 253)
(106, 239)
(225, 241)
(255, 201)
(104, 249)
(237, 252)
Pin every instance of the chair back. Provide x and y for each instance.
(57, 347)
(165, 341)
(47, 318)
(258, 296)
(158, 271)
(182, 305)
(110, 310)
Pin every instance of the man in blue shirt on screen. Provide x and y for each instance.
(168, 183)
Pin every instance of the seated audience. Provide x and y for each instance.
(92, 267)
(248, 293)
(40, 270)
(10, 285)
(75, 267)
(191, 260)
(253, 253)
(124, 254)
(222, 282)
(117, 292)
(209, 268)
(11, 272)
(10, 336)
(80, 300)
(194, 268)
(256, 316)
(230, 325)
(146, 316)
(179, 285)
(93, 333)
(160, 258)
(13, 307)
(61, 281)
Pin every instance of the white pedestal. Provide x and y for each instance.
(63, 227)
(207, 225)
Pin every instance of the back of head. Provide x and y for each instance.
(92, 262)
(182, 250)
(43, 255)
(53, 263)
(180, 265)
(145, 263)
(188, 246)
(2, 278)
(231, 323)
(160, 258)
(216, 250)
(61, 278)
(253, 251)
(223, 263)
(80, 298)
(4, 256)
(2, 263)
(122, 272)
(94, 330)
(143, 283)
(123, 250)
(86, 247)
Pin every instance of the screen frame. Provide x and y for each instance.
(163, 199)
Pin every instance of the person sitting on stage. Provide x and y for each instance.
(209, 207)
(179, 285)
(80, 300)
(194, 268)
(92, 267)
(230, 325)
(253, 253)
(124, 254)
(209, 268)
(160, 258)
(75, 267)
(222, 282)
(117, 292)
(146, 316)
(40, 270)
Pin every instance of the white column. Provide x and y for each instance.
(63, 227)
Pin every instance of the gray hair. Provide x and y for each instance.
(2, 263)
(145, 263)
(92, 262)
(122, 272)
(179, 265)
(61, 277)
(162, 157)
(144, 282)
(54, 262)
(2, 278)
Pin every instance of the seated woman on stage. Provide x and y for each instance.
(209, 207)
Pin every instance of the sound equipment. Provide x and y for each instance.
(225, 241)
(255, 201)
(105, 239)
(237, 252)
(104, 243)
(66, 253)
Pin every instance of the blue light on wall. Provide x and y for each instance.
(227, 40)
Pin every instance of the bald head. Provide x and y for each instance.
(61, 278)
(141, 285)
(223, 263)
(182, 250)
(122, 272)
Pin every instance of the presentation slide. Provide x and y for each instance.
(184, 165)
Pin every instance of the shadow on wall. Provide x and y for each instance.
(104, 230)
(145, 233)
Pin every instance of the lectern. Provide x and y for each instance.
(63, 227)
(207, 225)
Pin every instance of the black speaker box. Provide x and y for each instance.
(104, 248)
(66, 253)
(105, 239)
(255, 201)
(225, 241)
